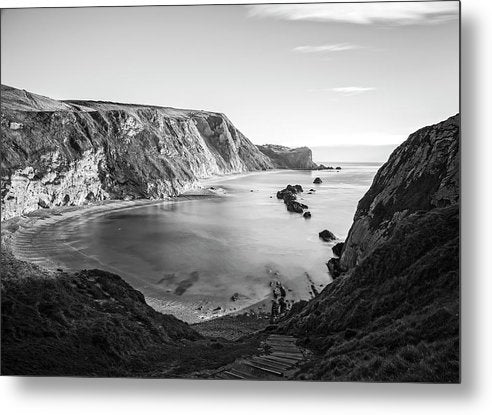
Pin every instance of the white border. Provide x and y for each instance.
(125, 396)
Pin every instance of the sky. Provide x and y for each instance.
(292, 74)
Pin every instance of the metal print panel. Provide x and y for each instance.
(233, 192)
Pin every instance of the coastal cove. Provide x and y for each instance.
(191, 254)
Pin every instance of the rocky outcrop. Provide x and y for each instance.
(289, 196)
(327, 236)
(58, 153)
(420, 175)
(394, 315)
(289, 158)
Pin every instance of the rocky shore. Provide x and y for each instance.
(391, 313)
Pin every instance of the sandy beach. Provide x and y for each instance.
(31, 238)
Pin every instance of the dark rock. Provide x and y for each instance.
(334, 267)
(350, 334)
(217, 308)
(43, 204)
(296, 207)
(307, 215)
(235, 297)
(289, 197)
(338, 248)
(317, 181)
(327, 236)
(406, 184)
(338, 168)
(289, 189)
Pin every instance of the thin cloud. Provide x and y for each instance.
(385, 13)
(337, 47)
(352, 90)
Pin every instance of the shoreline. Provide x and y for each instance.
(18, 233)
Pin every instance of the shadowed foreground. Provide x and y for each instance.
(93, 323)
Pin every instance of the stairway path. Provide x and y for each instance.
(278, 363)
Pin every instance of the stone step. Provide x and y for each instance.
(289, 362)
(265, 369)
(234, 375)
(243, 374)
(295, 357)
(271, 363)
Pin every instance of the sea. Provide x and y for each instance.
(200, 257)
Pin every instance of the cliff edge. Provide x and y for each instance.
(289, 158)
(420, 175)
(57, 153)
(394, 315)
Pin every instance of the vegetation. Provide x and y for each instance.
(396, 316)
(93, 323)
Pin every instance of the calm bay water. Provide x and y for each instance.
(204, 250)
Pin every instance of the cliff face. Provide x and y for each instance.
(289, 158)
(69, 153)
(394, 316)
(420, 175)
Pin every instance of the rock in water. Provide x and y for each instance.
(327, 236)
(401, 292)
(307, 215)
(317, 180)
(296, 207)
(338, 248)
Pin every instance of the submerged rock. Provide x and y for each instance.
(317, 180)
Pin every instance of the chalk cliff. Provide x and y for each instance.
(57, 153)
(289, 158)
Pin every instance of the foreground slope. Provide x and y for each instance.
(92, 323)
(394, 315)
(69, 153)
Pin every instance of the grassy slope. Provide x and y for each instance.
(92, 323)
(396, 317)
